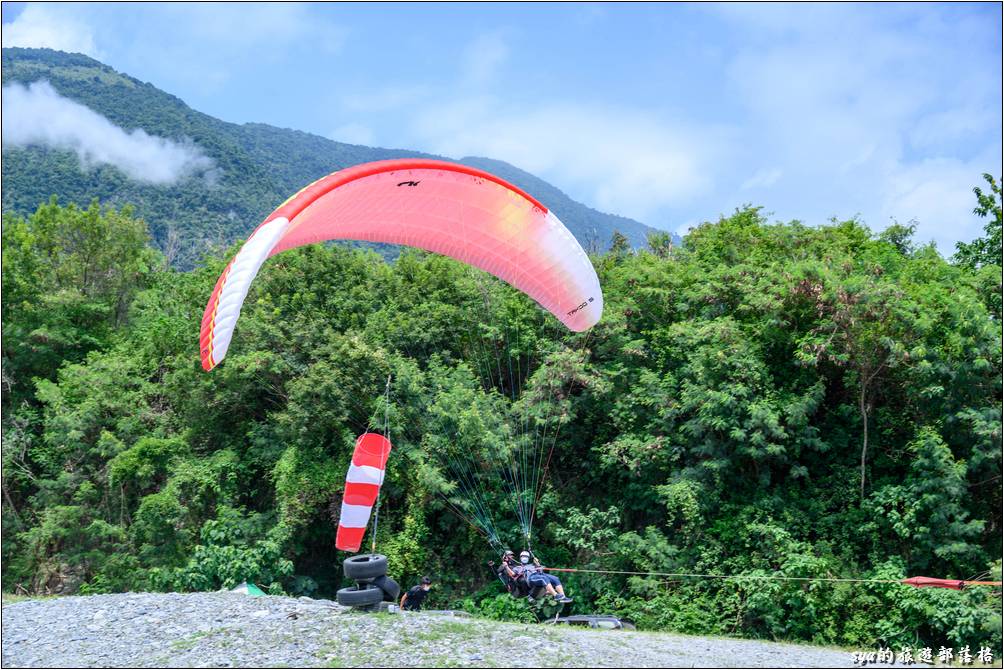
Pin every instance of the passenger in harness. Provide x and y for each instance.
(527, 577)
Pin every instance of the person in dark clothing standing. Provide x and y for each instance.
(412, 600)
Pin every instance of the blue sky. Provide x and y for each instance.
(668, 113)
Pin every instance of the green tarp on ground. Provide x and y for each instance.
(249, 589)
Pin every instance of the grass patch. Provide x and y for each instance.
(345, 653)
(11, 598)
(453, 629)
(351, 659)
(189, 642)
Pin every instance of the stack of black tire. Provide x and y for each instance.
(373, 586)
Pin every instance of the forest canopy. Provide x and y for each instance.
(762, 399)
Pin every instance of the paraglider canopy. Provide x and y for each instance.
(491, 226)
(455, 210)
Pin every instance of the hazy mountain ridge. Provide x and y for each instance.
(255, 166)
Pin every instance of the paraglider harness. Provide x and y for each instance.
(519, 587)
(543, 607)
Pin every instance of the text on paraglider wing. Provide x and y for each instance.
(585, 304)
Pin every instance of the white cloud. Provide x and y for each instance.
(890, 112)
(39, 26)
(210, 43)
(683, 228)
(201, 45)
(937, 194)
(589, 14)
(383, 99)
(762, 178)
(38, 115)
(259, 27)
(945, 130)
(353, 133)
(622, 160)
(484, 56)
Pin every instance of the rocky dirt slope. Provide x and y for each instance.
(227, 630)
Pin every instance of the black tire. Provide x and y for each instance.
(355, 596)
(365, 566)
(390, 588)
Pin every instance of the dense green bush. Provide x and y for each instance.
(500, 607)
(766, 401)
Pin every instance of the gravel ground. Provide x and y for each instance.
(227, 630)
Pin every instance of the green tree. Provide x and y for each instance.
(660, 243)
(619, 245)
(69, 275)
(718, 420)
(984, 250)
(866, 326)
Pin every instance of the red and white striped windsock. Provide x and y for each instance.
(362, 484)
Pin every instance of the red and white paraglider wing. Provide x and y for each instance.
(450, 209)
(362, 485)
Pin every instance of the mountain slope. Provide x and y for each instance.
(256, 165)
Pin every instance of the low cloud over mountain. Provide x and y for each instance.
(37, 115)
